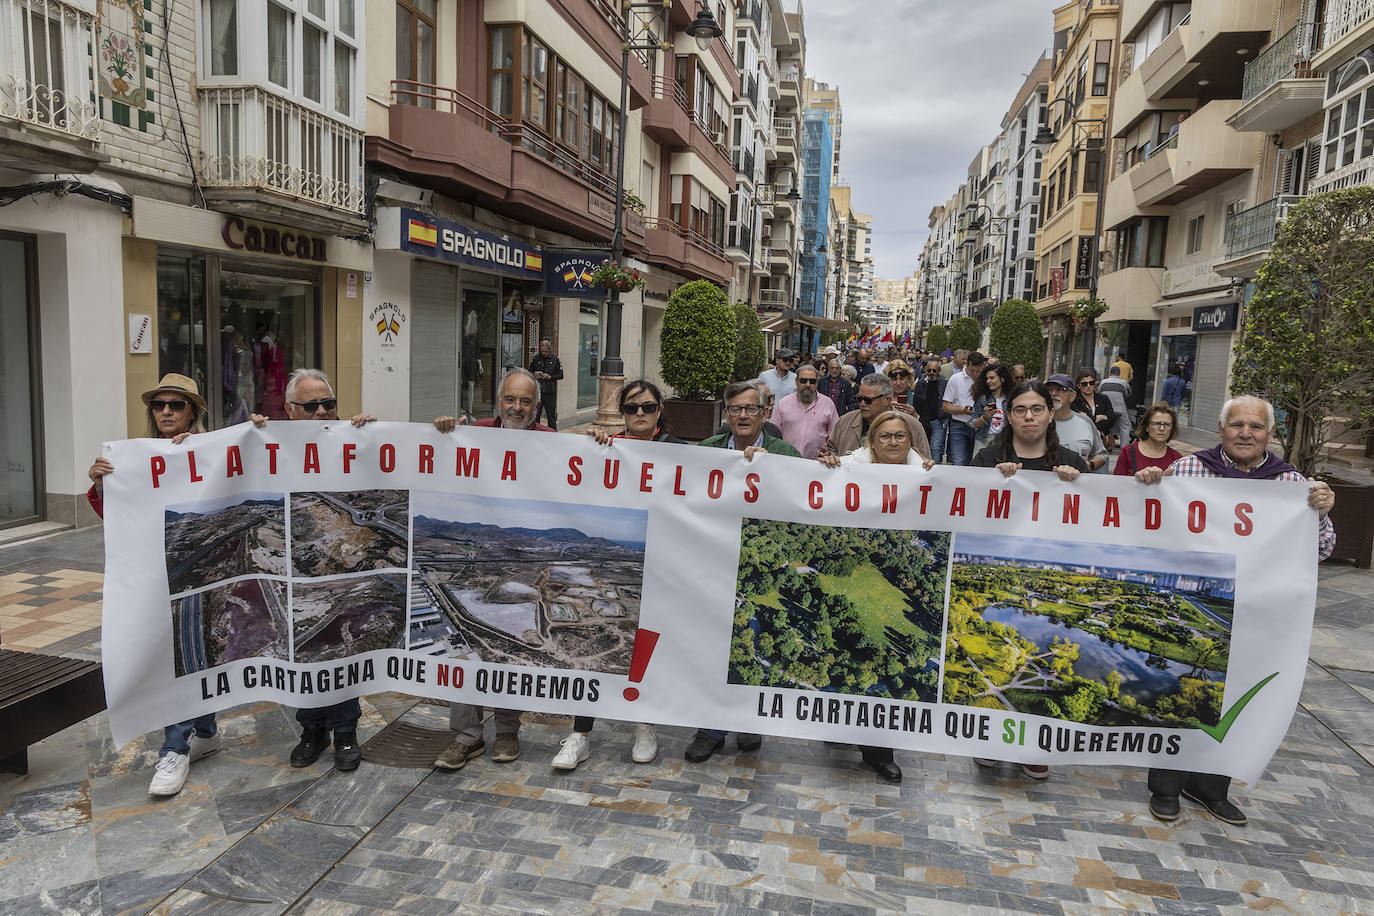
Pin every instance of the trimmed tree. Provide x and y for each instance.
(1307, 343)
(751, 351)
(1015, 336)
(965, 334)
(697, 344)
(937, 338)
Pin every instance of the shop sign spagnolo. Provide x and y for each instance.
(456, 243)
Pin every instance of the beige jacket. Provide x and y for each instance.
(848, 434)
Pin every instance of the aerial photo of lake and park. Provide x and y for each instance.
(526, 582)
(1095, 633)
(243, 619)
(844, 610)
(213, 540)
(347, 532)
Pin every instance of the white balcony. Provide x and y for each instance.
(49, 99)
(1356, 174)
(263, 152)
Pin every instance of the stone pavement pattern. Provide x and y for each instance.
(797, 828)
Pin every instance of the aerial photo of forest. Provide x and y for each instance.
(844, 610)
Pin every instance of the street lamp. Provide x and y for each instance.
(975, 224)
(704, 29)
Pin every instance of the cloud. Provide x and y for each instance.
(923, 86)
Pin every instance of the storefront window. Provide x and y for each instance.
(181, 317)
(18, 457)
(266, 329)
(480, 369)
(588, 354)
(1180, 352)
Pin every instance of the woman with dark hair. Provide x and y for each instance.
(989, 401)
(1028, 441)
(1151, 448)
(175, 410)
(641, 406)
(1095, 406)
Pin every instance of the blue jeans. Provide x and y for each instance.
(177, 738)
(960, 442)
(939, 433)
(339, 715)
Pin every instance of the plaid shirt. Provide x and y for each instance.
(1190, 466)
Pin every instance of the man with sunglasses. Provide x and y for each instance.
(928, 396)
(310, 396)
(547, 368)
(875, 398)
(744, 412)
(781, 380)
(804, 417)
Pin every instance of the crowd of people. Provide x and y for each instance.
(909, 407)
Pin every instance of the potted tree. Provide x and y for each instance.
(1307, 345)
(697, 356)
(1014, 336)
(964, 333)
(937, 339)
(751, 351)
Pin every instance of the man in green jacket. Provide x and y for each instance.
(744, 412)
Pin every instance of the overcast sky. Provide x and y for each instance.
(594, 521)
(923, 85)
(1116, 556)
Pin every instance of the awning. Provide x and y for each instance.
(792, 317)
(1215, 297)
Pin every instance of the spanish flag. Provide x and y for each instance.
(381, 326)
(569, 275)
(534, 261)
(422, 233)
(586, 276)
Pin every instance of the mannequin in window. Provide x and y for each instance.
(472, 364)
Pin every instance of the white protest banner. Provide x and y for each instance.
(1093, 622)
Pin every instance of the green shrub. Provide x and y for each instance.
(965, 334)
(697, 345)
(937, 338)
(751, 351)
(1015, 336)
(1307, 339)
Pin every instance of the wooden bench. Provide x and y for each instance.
(39, 696)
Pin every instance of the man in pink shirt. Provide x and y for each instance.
(805, 419)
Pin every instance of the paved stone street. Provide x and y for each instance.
(796, 828)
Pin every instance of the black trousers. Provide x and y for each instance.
(344, 714)
(548, 408)
(1204, 785)
(876, 754)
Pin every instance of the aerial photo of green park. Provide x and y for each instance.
(845, 610)
(1094, 633)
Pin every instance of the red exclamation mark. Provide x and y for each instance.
(645, 640)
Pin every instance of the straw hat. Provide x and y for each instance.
(181, 385)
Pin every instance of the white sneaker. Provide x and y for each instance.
(646, 744)
(170, 774)
(202, 747)
(574, 750)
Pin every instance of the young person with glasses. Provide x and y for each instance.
(641, 404)
(1151, 448)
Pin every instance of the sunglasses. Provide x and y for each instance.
(649, 407)
(806, 381)
(158, 405)
(866, 401)
(312, 406)
(901, 373)
(1086, 384)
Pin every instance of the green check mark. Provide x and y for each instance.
(1218, 731)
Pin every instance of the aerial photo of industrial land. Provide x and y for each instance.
(337, 533)
(843, 610)
(341, 617)
(243, 619)
(213, 540)
(1095, 633)
(525, 582)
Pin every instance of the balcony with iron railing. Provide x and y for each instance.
(685, 249)
(49, 98)
(255, 142)
(1281, 87)
(743, 160)
(1253, 230)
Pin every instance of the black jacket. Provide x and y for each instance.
(927, 401)
(552, 366)
(1104, 407)
(845, 402)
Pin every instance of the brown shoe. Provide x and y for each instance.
(506, 748)
(457, 754)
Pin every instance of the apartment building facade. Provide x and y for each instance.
(207, 231)
(782, 219)
(750, 139)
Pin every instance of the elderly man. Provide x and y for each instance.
(958, 403)
(310, 396)
(1076, 432)
(517, 403)
(781, 380)
(837, 388)
(744, 413)
(547, 368)
(863, 363)
(928, 396)
(875, 397)
(1246, 427)
(804, 417)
